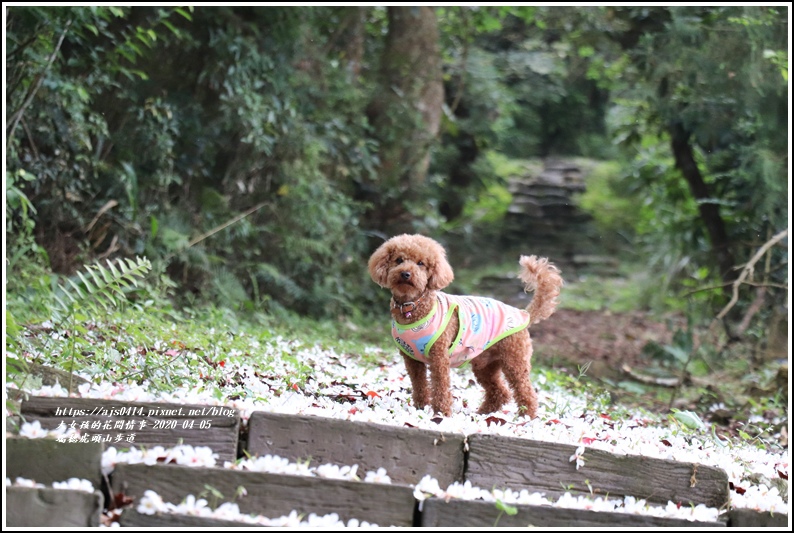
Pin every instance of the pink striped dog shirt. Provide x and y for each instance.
(483, 322)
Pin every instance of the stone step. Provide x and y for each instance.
(521, 190)
(545, 213)
(560, 213)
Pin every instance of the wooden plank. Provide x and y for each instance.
(538, 466)
(271, 495)
(407, 454)
(48, 507)
(461, 513)
(749, 518)
(47, 460)
(132, 518)
(124, 424)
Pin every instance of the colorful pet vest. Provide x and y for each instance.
(483, 321)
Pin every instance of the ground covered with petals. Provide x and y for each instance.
(260, 369)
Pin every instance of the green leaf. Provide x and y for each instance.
(144, 38)
(88, 285)
(170, 26)
(76, 287)
(154, 225)
(184, 13)
(62, 304)
(717, 439)
(689, 419)
(130, 57)
(679, 353)
(11, 325)
(83, 95)
(113, 269)
(106, 276)
(507, 508)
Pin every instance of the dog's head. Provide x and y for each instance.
(409, 265)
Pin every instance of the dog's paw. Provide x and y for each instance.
(443, 408)
(528, 412)
(420, 401)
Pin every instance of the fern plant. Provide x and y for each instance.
(100, 287)
(96, 290)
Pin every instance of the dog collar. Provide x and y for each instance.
(407, 308)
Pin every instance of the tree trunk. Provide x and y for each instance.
(354, 50)
(405, 113)
(709, 211)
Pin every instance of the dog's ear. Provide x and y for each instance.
(379, 265)
(441, 273)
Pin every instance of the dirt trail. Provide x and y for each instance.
(607, 340)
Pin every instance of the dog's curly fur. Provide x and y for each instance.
(414, 267)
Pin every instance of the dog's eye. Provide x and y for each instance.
(421, 263)
(399, 260)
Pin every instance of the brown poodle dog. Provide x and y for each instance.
(441, 331)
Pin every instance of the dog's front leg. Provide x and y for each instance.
(417, 371)
(439, 380)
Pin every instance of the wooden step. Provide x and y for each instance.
(125, 424)
(539, 466)
(407, 454)
(461, 513)
(132, 518)
(47, 460)
(271, 495)
(48, 507)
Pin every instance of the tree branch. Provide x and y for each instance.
(17, 116)
(768, 285)
(225, 225)
(748, 268)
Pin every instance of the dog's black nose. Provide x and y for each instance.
(405, 275)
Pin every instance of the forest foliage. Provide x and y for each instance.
(256, 155)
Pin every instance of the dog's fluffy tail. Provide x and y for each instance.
(544, 279)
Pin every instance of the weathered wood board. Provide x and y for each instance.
(272, 495)
(748, 518)
(460, 513)
(125, 424)
(132, 518)
(407, 454)
(47, 460)
(48, 507)
(538, 466)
